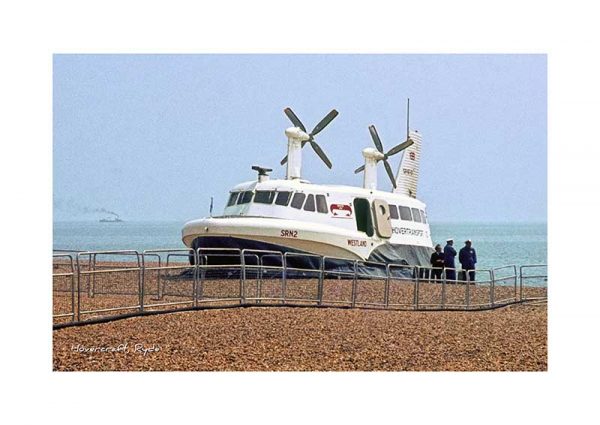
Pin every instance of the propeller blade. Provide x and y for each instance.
(359, 169)
(294, 119)
(400, 147)
(324, 122)
(320, 152)
(388, 169)
(376, 138)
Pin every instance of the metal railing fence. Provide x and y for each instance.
(109, 284)
(167, 283)
(102, 285)
(63, 288)
(536, 277)
(303, 278)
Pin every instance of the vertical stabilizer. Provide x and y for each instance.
(407, 178)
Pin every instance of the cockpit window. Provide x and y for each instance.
(298, 200)
(244, 197)
(264, 196)
(416, 215)
(283, 198)
(405, 213)
(232, 198)
(423, 216)
(393, 212)
(310, 203)
(321, 204)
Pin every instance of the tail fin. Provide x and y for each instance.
(407, 178)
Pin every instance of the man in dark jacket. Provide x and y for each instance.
(449, 254)
(468, 257)
(437, 263)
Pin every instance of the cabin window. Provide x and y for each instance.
(298, 200)
(321, 204)
(283, 198)
(364, 221)
(416, 215)
(394, 212)
(264, 196)
(423, 216)
(232, 198)
(405, 213)
(310, 203)
(245, 197)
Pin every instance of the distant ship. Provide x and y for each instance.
(111, 220)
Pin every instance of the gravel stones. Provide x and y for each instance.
(512, 338)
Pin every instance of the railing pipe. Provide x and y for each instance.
(443, 289)
(515, 276)
(467, 275)
(386, 290)
(284, 279)
(321, 282)
(354, 283)
(493, 288)
(71, 274)
(416, 275)
(78, 270)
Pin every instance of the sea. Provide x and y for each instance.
(496, 244)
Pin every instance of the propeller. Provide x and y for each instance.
(318, 128)
(393, 151)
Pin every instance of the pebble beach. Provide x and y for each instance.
(511, 338)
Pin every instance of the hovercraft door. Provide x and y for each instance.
(383, 224)
(362, 213)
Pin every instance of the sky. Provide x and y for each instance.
(153, 137)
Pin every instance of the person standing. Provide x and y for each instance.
(468, 258)
(437, 263)
(449, 254)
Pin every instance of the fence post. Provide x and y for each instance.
(282, 255)
(443, 289)
(492, 288)
(158, 283)
(72, 288)
(468, 289)
(521, 282)
(515, 274)
(92, 276)
(386, 290)
(416, 274)
(284, 279)
(141, 277)
(200, 274)
(202, 268)
(321, 278)
(78, 289)
(242, 278)
(259, 278)
(354, 282)
(195, 277)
